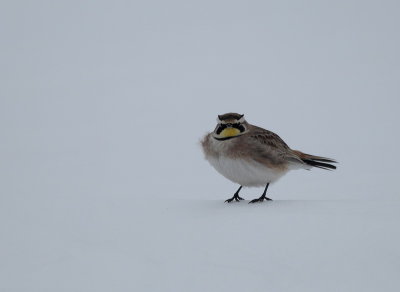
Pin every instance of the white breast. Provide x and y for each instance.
(245, 172)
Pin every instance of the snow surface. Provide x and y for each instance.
(103, 186)
(123, 244)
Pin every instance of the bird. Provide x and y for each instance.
(251, 156)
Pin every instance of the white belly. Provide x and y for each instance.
(243, 172)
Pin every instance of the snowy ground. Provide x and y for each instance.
(123, 244)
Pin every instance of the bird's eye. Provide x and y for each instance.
(239, 126)
(221, 128)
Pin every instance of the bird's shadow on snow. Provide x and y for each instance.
(275, 204)
(278, 206)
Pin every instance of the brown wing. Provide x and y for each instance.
(270, 148)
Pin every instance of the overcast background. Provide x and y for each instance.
(106, 101)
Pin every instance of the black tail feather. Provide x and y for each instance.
(316, 161)
(319, 164)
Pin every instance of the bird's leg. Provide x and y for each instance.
(235, 196)
(263, 197)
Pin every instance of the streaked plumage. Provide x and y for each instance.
(252, 156)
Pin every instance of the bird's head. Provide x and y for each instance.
(229, 126)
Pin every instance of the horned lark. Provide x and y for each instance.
(252, 156)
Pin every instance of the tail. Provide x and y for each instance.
(316, 161)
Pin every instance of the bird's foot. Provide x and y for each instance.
(235, 197)
(260, 199)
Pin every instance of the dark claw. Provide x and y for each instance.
(254, 201)
(236, 198)
(260, 200)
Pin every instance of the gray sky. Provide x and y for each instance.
(103, 97)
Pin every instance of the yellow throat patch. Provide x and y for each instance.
(229, 132)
